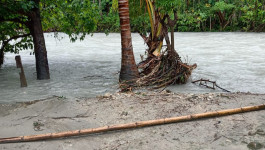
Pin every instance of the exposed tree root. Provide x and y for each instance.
(164, 70)
(161, 71)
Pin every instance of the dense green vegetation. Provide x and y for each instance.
(193, 15)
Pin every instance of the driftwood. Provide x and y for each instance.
(131, 125)
(208, 81)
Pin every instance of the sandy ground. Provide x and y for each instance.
(55, 114)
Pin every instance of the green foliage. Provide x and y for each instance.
(141, 24)
(139, 18)
(115, 5)
(10, 29)
(203, 15)
(252, 16)
(109, 23)
(76, 18)
(12, 6)
(222, 6)
(168, 5)
(188, 21)
(7, 30)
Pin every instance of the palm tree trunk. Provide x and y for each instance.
(129, 69)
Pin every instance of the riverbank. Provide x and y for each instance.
(58, 114)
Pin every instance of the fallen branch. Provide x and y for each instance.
(208, 81)
(132, 125)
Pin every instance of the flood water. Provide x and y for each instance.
(89, 68)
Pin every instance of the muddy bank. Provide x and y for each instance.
(56, 114)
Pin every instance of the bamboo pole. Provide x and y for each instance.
(131, 125)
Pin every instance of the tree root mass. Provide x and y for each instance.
(164, 70)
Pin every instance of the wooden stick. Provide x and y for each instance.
(132, 125)
(213, 82)
(23, 81)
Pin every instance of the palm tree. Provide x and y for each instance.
(129, 69)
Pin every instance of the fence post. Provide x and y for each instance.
(23, 80)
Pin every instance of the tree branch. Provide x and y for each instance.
(14, 11)
(5, 42)
(17, 20)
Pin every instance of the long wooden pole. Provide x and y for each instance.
(131, 125)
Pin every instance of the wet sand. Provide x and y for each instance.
(56, 114)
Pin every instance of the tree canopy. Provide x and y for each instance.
(194, 15)
(76, 18)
